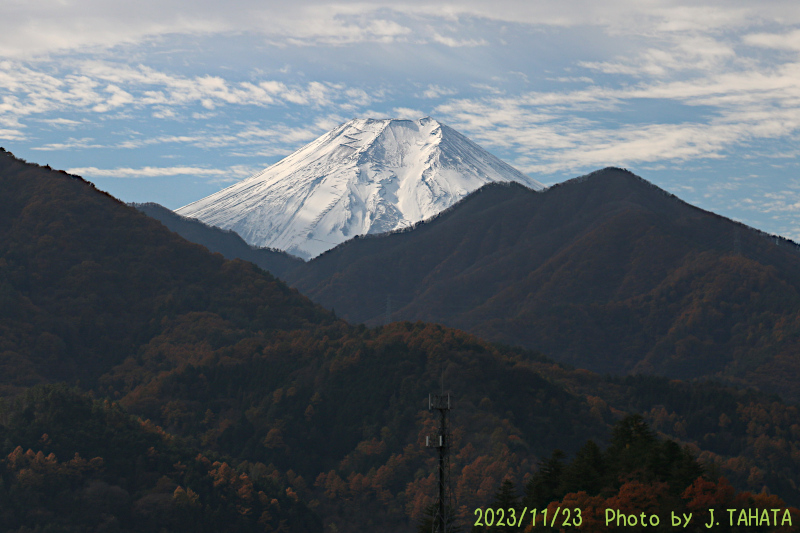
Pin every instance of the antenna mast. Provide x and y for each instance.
(441, 441)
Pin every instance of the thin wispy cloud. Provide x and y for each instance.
(12, 135)
(779, 41)
(48, 26)
(434, 91)
(236, 171)
(455, 42)
(686, 91)
(70, 144)
(100, 87)
(740, 106)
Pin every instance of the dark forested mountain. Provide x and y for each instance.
(605, 272)
(86, 281)
(228, 243)
(212, 396)
(74, 464)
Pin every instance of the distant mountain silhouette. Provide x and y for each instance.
(226, 242)
(606, 272)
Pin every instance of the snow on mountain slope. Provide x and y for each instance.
(365, 176)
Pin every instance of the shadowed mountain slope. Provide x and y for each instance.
(606, 272)
(264, 384)
(86, 281)
(73, 464)
(226, 242)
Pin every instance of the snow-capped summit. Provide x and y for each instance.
(365, 176)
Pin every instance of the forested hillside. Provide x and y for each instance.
(228, 243)
(76, 464)
(639, 482)
(86, 281)
(202, 383)
(605, 272)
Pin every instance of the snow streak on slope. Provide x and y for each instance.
(365, 176)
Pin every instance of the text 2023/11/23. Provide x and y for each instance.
(617, 518)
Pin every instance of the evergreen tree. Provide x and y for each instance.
(586, 472)
(544, 485)
(428, 522)
(506, 505)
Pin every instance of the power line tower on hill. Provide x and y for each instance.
(441, 441)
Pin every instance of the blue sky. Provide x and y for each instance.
(170, 101)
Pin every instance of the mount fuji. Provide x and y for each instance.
(365, 176)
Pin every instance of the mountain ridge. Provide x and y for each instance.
(365, 176)
(56, 235)
(561, 270)
(273, 389)
(226, 242)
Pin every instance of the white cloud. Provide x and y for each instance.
(12, 135)
(70, 144)
(158, 172)
(407, 113)
(435, 91)
(29, 29)
(102, 86)
(282, 134)
(572, 79)
(196, 140)
(554, 131)
(674, 54)
(326, 123)
(165, 112)
(387, 30)
(61, 122)
(258, 140)
(118, 98)
(454, 43)
(780, 41)
(663, 83)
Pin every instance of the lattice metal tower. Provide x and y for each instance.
(441, 441)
